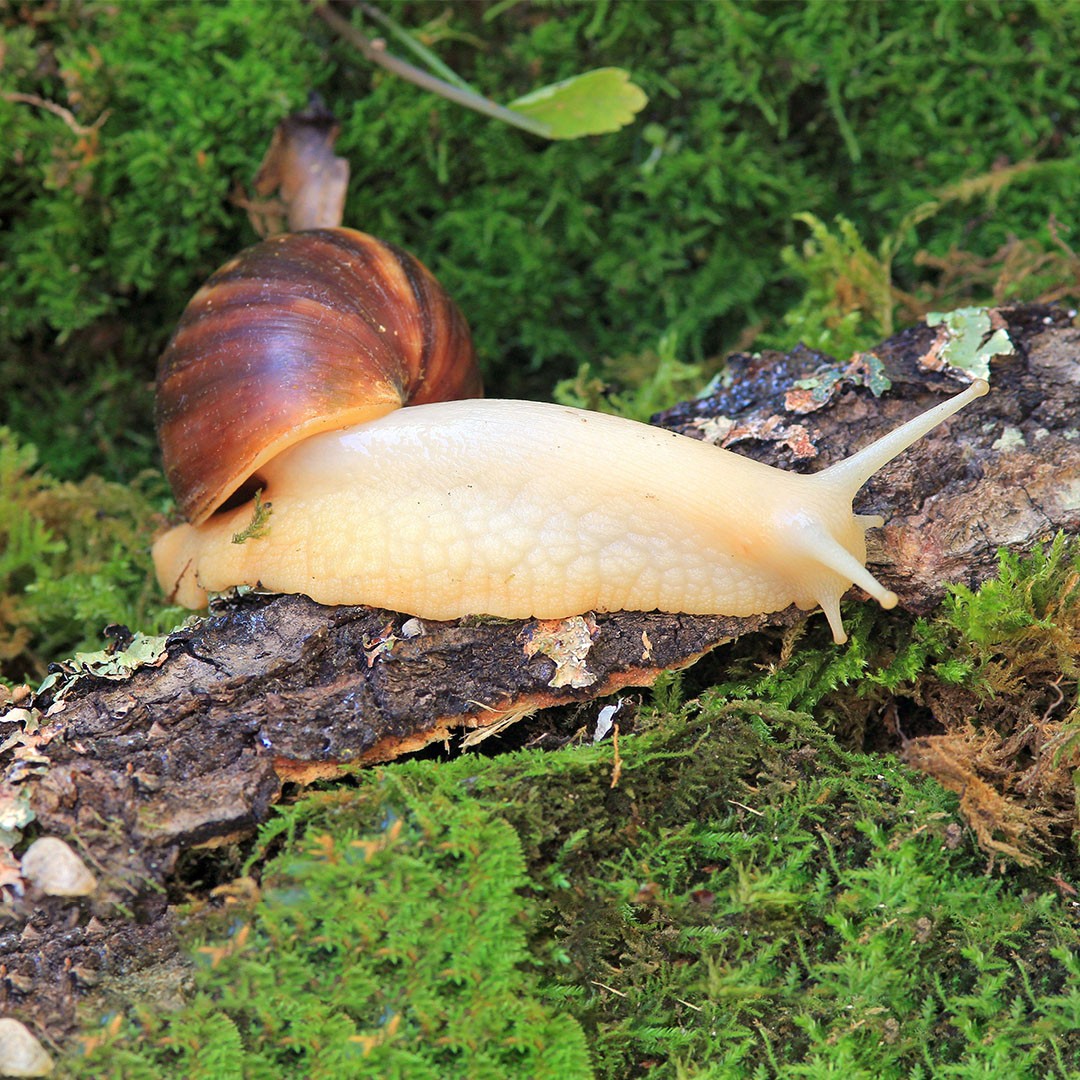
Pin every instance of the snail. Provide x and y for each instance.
(507, 508)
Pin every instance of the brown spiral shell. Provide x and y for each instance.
(302, 333)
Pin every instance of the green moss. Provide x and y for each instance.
(97, 421)
(747, 899)
(259, 525)
(73, 559)
(633, 386)
(395, 946)
(1028, 617)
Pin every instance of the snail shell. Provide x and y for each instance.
(302, 333)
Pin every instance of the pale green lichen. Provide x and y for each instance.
(972, 340)
(118, 664)
(865, 368)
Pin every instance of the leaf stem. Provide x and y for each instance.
(440, 69)
(375, 51)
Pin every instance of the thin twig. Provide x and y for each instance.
(375, 51)
(616, 769)
(57, 110)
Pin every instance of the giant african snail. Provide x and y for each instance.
(457, 507)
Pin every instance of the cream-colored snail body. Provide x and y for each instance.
(519, 509)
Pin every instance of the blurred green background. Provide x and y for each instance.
(963, 114)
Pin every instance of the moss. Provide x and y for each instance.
(259, 525)
(392, 946)
(633, 386)
(98, 421)
(747, 899)
(560, 252)
(73, 559)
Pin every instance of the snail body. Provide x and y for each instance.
(519, 509)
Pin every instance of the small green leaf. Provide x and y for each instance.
(592, 103)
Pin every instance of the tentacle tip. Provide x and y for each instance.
(888, 599)
(831, 606)
(980, 387)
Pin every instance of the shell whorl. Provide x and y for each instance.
(302, 333)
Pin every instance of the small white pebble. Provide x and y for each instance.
(56, 870)
(411, 628)
(20, 1052)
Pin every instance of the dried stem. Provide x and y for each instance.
(57, 110)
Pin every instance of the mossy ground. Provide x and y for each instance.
(904, 153)
(730, 894)
(765, 890)
(73, 559)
